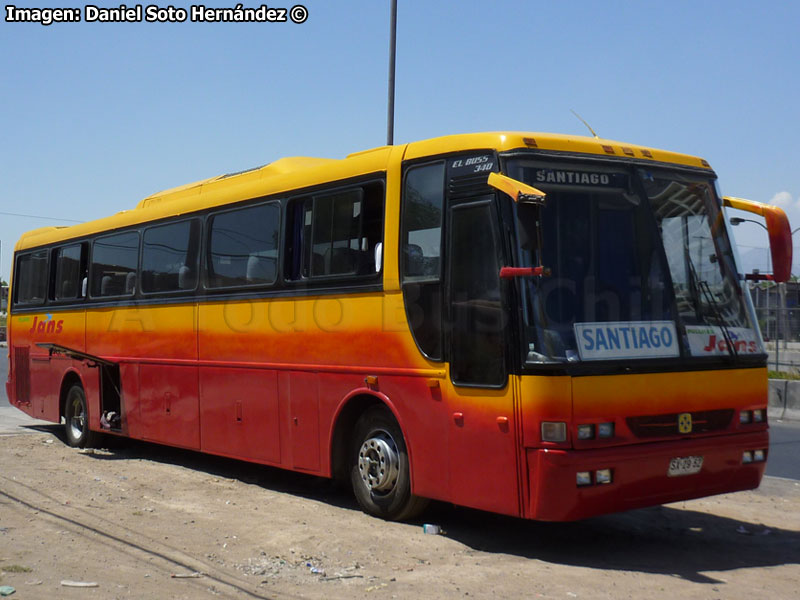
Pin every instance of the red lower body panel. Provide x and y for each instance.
(639, 475)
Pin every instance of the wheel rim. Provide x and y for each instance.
(77, 422)
(379, 463)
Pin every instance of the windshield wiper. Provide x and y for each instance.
(704, 288)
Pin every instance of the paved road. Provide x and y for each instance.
(784, 449)
(784, 435)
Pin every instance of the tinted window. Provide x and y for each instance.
(336, 249)
(420, 260)
(69, 273)
(30, 278)
(477, 342)
(114, 263)
(169, 257)
(422, 221)
(243, 246)
(336, 234)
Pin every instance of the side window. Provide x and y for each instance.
(420, 255)
(169, 257)
(115, 260)
(243, 246)
(70, 272)
(336, 234)
(31, 278)
(423, 197)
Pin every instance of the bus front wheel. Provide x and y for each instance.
(379, 468)
(76, 416)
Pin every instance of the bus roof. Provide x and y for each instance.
(292, 173)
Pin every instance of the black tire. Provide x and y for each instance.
(76, 419)
(379, 469)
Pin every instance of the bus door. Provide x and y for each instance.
(483, 458)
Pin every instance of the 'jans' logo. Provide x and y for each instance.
(47, 325)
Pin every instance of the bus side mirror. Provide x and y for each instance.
(520, 192)
(778, 229)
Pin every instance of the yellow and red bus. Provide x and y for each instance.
(544, 326)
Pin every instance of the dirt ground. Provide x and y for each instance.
(136, 519)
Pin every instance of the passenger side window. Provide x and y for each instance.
(115, 259)
(31, 277)
(243, 246)
(336, 234)
(169, 257)
(70, 272)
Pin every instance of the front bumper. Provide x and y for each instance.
(639, 475)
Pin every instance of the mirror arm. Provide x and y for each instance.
(778, 229)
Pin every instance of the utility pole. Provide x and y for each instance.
(392, 53)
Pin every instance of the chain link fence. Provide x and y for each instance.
(778, 312)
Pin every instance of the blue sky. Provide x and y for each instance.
(96, 116)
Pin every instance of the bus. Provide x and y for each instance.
(545, 326)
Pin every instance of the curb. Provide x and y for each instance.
(784, 400)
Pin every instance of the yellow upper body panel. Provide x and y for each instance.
(296, 173)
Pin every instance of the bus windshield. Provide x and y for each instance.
(640, 266)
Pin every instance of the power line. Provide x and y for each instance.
(8, 214)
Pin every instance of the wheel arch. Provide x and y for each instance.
(71, 377)
(349, 410)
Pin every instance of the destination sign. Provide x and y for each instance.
(536, 176)
(626, 340)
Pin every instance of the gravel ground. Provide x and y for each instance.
(144, 521)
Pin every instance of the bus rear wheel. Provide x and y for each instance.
(76, 417)
(379, 468)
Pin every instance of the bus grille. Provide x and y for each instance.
(22, 374)
(666, 425)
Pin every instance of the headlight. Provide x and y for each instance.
(602, 476)
(554, 431)
(605, 430)
(585, 432)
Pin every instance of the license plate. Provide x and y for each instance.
(685, 465)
